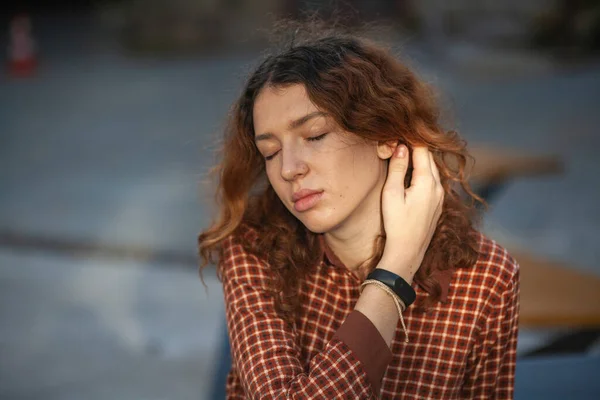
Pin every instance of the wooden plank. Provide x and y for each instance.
(496, 165)
(556, 295)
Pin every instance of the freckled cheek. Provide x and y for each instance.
(344, 192)
(341, 197)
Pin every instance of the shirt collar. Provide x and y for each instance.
(443, 277)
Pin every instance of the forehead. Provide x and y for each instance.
(276, 107)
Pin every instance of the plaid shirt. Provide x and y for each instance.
(463, 348)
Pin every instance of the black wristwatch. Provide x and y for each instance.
(396, 283)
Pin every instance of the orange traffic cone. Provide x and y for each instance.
(22, 60)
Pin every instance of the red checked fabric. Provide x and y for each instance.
(463, 348)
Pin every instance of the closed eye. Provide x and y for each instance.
(310, 139)
(271, 156)
(316, 138)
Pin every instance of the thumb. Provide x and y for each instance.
(397, 170)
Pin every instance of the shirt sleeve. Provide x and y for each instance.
(265, 352)
(492, 375)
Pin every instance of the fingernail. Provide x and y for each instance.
(401, 151)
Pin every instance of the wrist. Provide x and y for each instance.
(393, 284)
(379, 308)
(401, 267)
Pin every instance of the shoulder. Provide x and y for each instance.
(237, 242)
(496, 262)
(238, 263)
(494, 273)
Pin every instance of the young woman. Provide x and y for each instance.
(342, 200)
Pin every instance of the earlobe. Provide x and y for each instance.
(385, 150)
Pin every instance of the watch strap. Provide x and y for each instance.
(396, 283)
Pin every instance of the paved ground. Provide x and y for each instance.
(111, 150)
(77, 328)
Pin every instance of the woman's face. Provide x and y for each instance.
(326, 177)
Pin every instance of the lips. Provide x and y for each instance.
(306, 199)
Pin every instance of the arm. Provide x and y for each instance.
(493, 373)
(265, 351)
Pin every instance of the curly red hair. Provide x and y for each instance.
(369, 93)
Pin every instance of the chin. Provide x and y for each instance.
(318, 222)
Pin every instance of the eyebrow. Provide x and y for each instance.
(293, 125)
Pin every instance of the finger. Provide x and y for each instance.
(397, 169)
(434, 169)
(436, 176)
(421, 163)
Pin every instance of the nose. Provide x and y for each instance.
(293, 164)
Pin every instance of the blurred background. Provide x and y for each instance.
(110, 113)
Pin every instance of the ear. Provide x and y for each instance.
(385, 150)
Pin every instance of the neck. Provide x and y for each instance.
(352, 241)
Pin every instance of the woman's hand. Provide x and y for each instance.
(410, 215)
